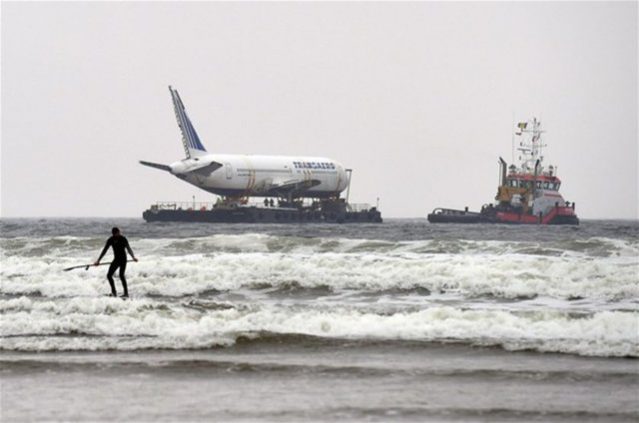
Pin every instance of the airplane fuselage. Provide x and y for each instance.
(233, 175)
(255, 175)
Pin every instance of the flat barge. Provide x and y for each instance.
(319, 212)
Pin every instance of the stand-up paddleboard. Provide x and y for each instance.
(118, 296)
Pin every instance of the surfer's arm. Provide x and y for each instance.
(128, 248)
(104, 250)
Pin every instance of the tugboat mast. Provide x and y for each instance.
(531, 146)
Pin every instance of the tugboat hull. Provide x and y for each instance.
(558, 216)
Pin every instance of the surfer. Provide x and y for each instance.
(120, 246)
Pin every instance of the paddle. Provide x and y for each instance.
(86, 266)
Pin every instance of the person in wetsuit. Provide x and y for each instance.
(120, 246)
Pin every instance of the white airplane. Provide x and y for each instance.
(233, 175)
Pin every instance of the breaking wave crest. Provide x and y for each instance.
(496, 269)
(112, 324)
(264, 243)
(203, 292)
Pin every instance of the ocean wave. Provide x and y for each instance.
(63, 246)
(112, 324)
(509, 276)
(211, 365)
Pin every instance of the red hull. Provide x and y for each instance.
(556, 215)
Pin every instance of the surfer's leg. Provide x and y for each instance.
(112, 267)
(123, 278)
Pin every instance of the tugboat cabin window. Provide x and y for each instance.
(546, 185)
(538, 184)
(522, 184)
(513, 183)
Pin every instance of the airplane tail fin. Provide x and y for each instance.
(192, 145)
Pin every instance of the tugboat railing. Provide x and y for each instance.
(182, 205)
(358, 207)
(210, 205)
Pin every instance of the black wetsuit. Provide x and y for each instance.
(120, 246)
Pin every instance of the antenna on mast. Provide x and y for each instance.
(531, 146)
(512, 134)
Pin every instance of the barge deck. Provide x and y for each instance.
(319, 212)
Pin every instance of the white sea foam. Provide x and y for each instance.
(62, 246)
(66, 311)
(499, 275)
(104, 323)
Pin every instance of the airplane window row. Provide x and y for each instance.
(246, 171)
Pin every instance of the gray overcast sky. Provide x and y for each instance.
(417, 98)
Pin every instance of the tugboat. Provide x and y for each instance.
(527, 194)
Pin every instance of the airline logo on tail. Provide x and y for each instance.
(192, 145)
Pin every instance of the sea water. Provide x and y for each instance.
(403, 320)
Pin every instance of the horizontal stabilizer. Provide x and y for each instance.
(156, 165)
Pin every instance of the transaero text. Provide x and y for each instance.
(314, 165)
